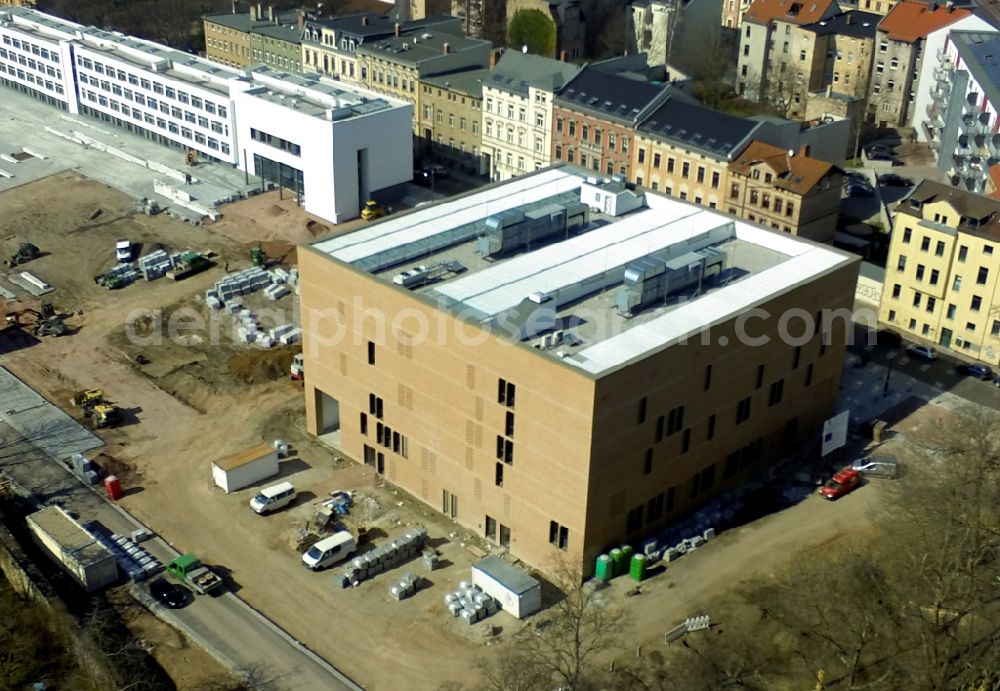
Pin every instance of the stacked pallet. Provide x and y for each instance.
(285, 334)
(405, 587)
(470, 604)
(155, 265)
(368, 565)
(132, 559)
(242, 283)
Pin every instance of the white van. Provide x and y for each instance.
(330, 550)
(273, 498)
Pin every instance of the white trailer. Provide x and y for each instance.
(245, 468)
(518, 593)
(89, 562)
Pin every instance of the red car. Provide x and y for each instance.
(840, 484)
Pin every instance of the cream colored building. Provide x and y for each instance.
(941, 279)
(517, 112)
(555, 426)
(451, 118)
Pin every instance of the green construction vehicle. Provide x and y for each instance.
(189, 264)
(25, 253)
(257, 256)
(188, 568)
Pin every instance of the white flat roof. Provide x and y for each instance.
(590, 263)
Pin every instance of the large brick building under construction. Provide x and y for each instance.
(561, 364)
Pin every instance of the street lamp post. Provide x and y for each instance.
(888, 373)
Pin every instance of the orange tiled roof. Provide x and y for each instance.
(995, 179)
(798, 173)
(911, 21)
(795, 11)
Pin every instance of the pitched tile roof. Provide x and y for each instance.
(694, 126)
(798, 173)
(795, 11)
(911, 21)
(982, 210)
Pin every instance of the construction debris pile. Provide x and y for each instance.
(470, 603)
(388, 556)
(132, 559)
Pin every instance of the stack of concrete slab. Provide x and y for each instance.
(405, 587)
(470, 604)
(279, 275)
(276, 291)
(84, 468)
(155, 265)
(390, 555)
(431, 558)
(242, 283)
(132, 559)
(286, 333)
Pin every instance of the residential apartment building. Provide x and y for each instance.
(683, 150)
(539, 416)
(785, 190)
(396, 65)
(733, 11)
(517, 112)
(421, 9)
(567, 20)
(764, 70)
(277, 126)
(595, 115)
(941, 277)
(329, 46)
(451, 115)
(925, 81)
(899, 55)
(262, 36)
(961, 121)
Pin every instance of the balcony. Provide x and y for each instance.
(944, 58)
(941, 90)
(994, 144)
(942, 73)
(962, 148)
(969, 124)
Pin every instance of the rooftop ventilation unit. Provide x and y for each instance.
(513, 230)
(651, 280)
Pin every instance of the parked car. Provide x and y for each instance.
(877, 466)
(921, 351)
(879, 149)
(857, 179)
(170, 594)
(859, 191)
(847, 480)
(893, 180)
(981, 372)
(439, 171)
(422, 177)
(884, 156)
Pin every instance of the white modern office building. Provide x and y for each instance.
(332, 145)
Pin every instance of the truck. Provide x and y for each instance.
(188, 568)
(189, 264)
(297, 368)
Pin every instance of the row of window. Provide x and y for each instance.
(294, 150)
(32, 48)
(46, 84)
(154, 104)
(30, 63)
(150, 119)
(156, 87)
(452, 120)
(592, 135)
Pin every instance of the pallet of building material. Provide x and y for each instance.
(276, 292)
(405, 587)
(293, 336)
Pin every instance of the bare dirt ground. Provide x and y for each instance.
(195, 402)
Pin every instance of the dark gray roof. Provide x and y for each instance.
(610, 95)
(694, 126)
(286, 28)
(469, 82)
(980, 51)
(516, 71)
(851, 23)
(508, 575)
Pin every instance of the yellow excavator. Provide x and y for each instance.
(100, 412)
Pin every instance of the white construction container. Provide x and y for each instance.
(89, 562)
(245, 468)
(517, 593)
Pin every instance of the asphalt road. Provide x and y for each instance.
(229, 629)
(940, 373)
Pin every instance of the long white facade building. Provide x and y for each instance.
(334, 146)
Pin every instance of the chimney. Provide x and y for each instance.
(447, 48)
(494, 56)
(364, 20)
(270, 13)
(397, 29)
(829, 90)
(301, 20)
(234, 6)
(849, 17)
(562, 56)
(949, 6)
(253, 13)
(804, 150)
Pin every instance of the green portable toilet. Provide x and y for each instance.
(616, 562)
(605, 568)
(626, 558)
(637, 570)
